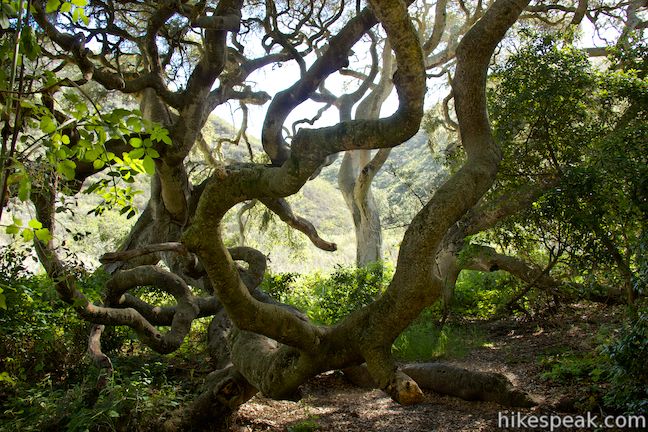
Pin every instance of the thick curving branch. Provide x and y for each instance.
(96, 354)
(335, 57)
(281, 208)
(487, 214)
(163, 316)
(440, 18)
(487, 259)
(309, 150)
(257, 264)
(185, 313)
(417, 282)
(103, 75)
(463, 190)
(128, 255)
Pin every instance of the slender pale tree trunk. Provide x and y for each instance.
(359, 168)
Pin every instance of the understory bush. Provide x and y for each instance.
(424, 340)
(627, 355)
(614, 375)
(132, 400)
(39, 335)
(327, 299)
(46, 380)
(481, 295)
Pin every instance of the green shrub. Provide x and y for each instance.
(279, 285)
(481, 295)
(567, 367)
(423, 340)
(39, 335)
(627, 356)
(308, 425)
(347, 290)
(134, 400)
(328, 298)
(614, 373)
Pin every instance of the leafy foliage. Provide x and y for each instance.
(57, 134)
(481, 295)
(557, 117)
(614, 374)
(423, 340)
(627, 367)
(327, 299)
(132, 400)
(38, 335)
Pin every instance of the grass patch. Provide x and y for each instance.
(423, 341)
(308, 425)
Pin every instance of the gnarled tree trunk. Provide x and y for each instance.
(273, 348)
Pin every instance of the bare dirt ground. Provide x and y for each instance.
(513, 348)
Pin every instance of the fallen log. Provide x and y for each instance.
(453, 381)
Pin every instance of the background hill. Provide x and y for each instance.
(399, 194)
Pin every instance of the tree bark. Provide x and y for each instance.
(454, 381)
(274, 349)
(359, 168)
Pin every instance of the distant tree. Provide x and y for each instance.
(567, 209)
(585, 128)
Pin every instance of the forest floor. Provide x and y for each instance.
(518, 349)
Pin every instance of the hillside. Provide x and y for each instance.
(396, 188)
(86, 236)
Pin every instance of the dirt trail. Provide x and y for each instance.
(514, 349)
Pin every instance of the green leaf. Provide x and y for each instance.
(47, 125)
(65, 139)
(118, 114)
(52, 6)
(29, 44)
(135, 142)
(91, 154)
(12, 229)
(149, 165)
(113, 414)
(160, 134)
(24, 190)
(80, 110)
(66, 168)
(137, 153)
(76, 14)
(3, 305)
(98, 164)
(43, 235)
(61, 153)
(152, 152)
(26, 103)
(35, 224)
(134, 123)
(27, 234)
(8, 8)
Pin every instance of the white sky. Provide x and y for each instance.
(273, 79)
